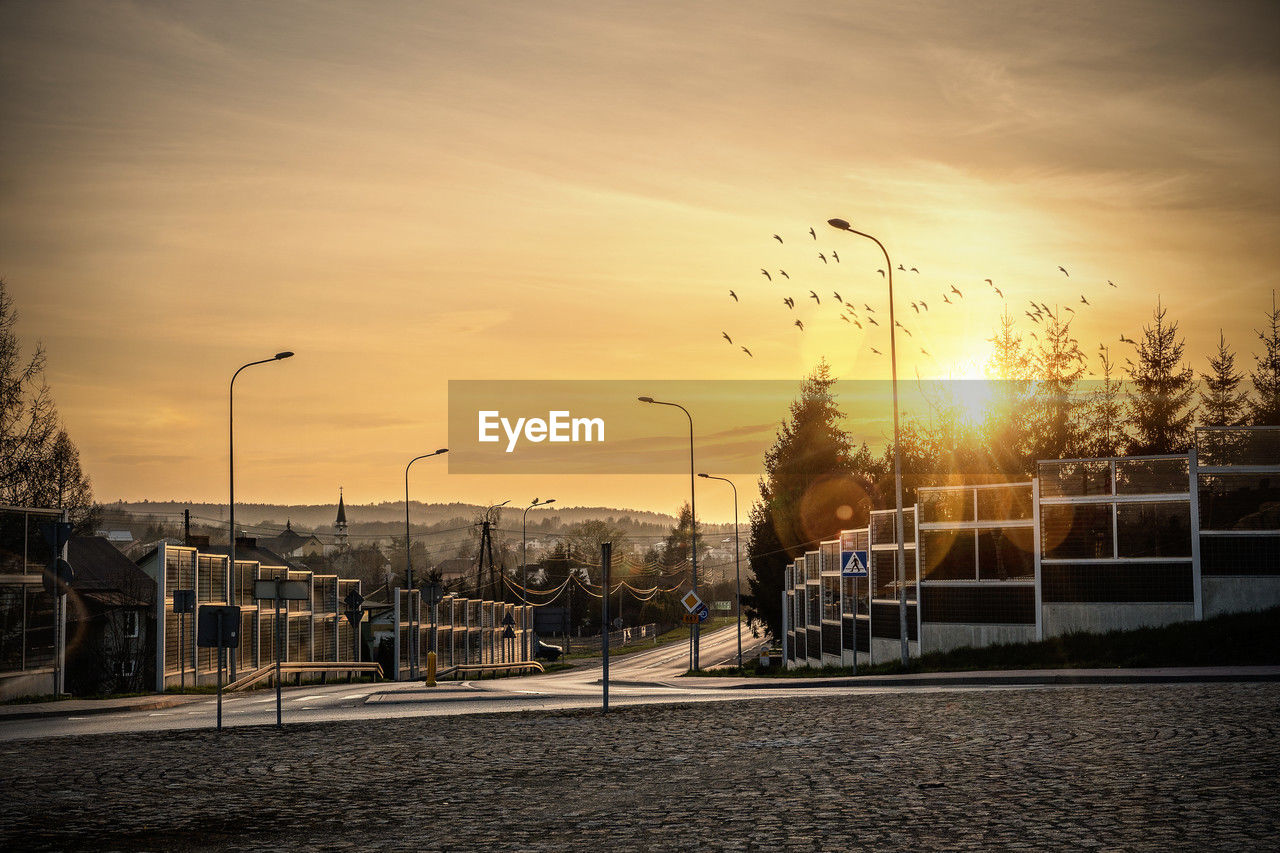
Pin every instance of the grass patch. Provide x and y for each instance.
(1235, 639)
(678, 634)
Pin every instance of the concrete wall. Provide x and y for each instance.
(945, 636)
(883, 651)
(1236, 594)
(1096, 618)
(33, 682)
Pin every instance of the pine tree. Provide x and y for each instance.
(1059, 364)
(1160, 399)
(808, 493)
(1104, 421)
(1265, 407)
(1007, 429)
(1222, 404)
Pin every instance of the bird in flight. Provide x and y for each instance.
(998, 291)
(876, 351)
(814, 297)
(1082, 299)
(800, 325)
(989, 281)
(1064, 271)
(946, 299)
(1033, 317)
(824, 257)
(843, 317)
(849, 305)
(901, 267)
(725, 335)
(856, 323)
(776, 237)
(881, 273)
(835, 255)
(734, 295)
(1034, 335)
(956, 291)
(789, 302)
(812, 233)
(1068, 308)
(1125, 340)
(838, 299)
(872, 321)
(869, 308)
(764, 272)
(924, 305)
(1110, 282)
(915, 307)
(925, 352)
(748, 352)
(916, 271)
(783, 273)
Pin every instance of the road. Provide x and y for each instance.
(646, 677)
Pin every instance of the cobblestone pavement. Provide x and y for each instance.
(1170, 767)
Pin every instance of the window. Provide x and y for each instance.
(1076, 531)
(132, 627)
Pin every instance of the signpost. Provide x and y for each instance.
(606, 555)
(184, 602)
(697, 613)
(279, 590)
(57, 577)
(853, 563)
(218, 627)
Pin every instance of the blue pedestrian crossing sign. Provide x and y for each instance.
(853, 563)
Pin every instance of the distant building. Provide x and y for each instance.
(290, 543)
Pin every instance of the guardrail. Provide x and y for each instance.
(291, 667)
(463, 668)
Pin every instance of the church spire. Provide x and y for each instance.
(340, 526)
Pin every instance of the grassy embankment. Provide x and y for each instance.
(1237, 639)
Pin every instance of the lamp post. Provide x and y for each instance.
(524, 569)
(737, 558)
(408, 553)
(694, 633)
(231, 478)
(901, 560)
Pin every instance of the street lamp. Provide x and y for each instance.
(408, 555)
(231, 477)
(524, 568)
(694, 633)
(737, 558)
(901, 567)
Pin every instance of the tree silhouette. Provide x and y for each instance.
(1104, 416)
(808, 493)
(1160, 400)
(1008, 429)
(1265, 407)
(1221, 401)
(1059, 364)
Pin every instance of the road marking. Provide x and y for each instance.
(77, 718)
(352, 696)
(306, 698)
(161, 714)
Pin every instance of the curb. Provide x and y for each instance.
(994, 680)
(54, 711)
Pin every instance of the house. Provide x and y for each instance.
(290, 543)
(110, 627)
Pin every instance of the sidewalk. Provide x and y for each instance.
(986, 678)
(85, 707)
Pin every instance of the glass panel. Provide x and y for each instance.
(811, 567)
(946, 505)
(1237, 446)
(831, 598)
(813, 598)
(1009, 503)
(11, 596)
(1239, 501)
(1152, 476)
(1073, 531)
(830, 556)
(1006, 553)
(1088, 477)
(948, 555)
(1154, 529)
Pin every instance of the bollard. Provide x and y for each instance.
(431, 669)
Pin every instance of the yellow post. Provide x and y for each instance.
(431, 669)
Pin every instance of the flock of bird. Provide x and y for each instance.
(851, 314)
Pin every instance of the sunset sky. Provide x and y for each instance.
(411, 193)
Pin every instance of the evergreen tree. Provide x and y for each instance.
(1223, 404)
(1007, 430)
(1059, 364)
(1104, 420)
(1160, 398)
(808, 493)
(1265, 407)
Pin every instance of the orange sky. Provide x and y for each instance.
(406, 194)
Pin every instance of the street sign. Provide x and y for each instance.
(184, 601)
(267, 590)
(691, 601)
(353, 599)
(432, 592)
(690, 618)
(508, 633)
(59, 573)
(617, 622)
(58, 577)
(702, 612)
(213, 616)
(724, 605)
(508, 621)
(853, 563)
(56, 533)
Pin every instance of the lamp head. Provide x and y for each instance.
(441, 450)
(549, 501)
(838, 223)
(283, 355)
(645, 399)
(705, 476)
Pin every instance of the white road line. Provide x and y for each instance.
(352, 696)
(306, 698)
(161, 714)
